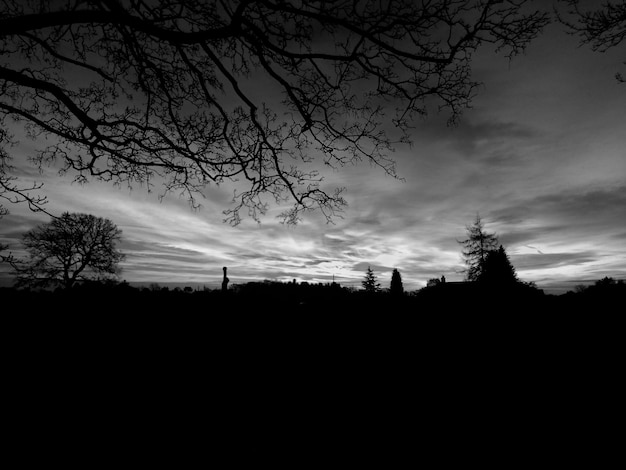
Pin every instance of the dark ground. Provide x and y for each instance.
(271, 298)
(294, 312)
(473, 373)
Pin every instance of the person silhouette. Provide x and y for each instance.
(225, 280)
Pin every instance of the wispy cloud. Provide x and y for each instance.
(540, 156)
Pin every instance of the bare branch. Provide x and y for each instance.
(132, 90)
(602, 28)
(11, 190)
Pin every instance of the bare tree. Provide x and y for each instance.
(603, 27)
(131, 91)
(73, 247)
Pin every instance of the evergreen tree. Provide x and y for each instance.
(476, 248)
(498, 269)
(396, 287)
(370, 283)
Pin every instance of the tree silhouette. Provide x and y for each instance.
(370, 283)
(498, 269)
(10, 190)
(605, 282)
(603, 27)
(396, 287)
(68, 249)
(476, 247)
(184, 90)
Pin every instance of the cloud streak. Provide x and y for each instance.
(541, 157)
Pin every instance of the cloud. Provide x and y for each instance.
(494, 142)
(15, 224)
(540, 156)
(593, 204)
(317, 262)
(513, 236)
(362, 267)
(552, 260)
(575, 213)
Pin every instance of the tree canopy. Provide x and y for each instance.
(603, 27)
(183, 92)
(73, 247)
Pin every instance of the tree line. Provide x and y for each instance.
(78, 247)
(485, 258)
(77, 257)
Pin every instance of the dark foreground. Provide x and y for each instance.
(299, 329)
(466, 372)
(272, 298)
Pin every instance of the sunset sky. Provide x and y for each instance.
(541, 156)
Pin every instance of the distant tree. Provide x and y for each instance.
(396, 287)
(129, 90)
(606, 291)
(580, 288)
(498, 269)
(605, 282)
(70, 248)
(433, 282)
(476, 247)
(603, 27)
(370, 283)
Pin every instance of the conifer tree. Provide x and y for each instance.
(498, 268)
(396, 287)
(476, 248)
(370, 283)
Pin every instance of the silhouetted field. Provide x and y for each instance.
(270, 298)
(458, 335)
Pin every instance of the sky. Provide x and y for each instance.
(540, 156)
